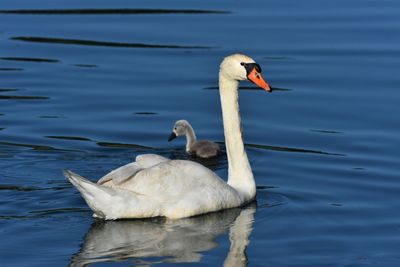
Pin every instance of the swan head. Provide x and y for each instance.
(240, 67)
(180, 128)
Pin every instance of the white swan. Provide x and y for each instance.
(199, 148)
(156, 186)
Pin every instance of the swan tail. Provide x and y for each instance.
(113, 203)
(96, 196)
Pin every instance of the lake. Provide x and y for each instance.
(88, 86)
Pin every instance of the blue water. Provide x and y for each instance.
(90, 85)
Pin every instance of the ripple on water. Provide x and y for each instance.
(145, 113)
(18, 188)
(325, 131)
(123, 145)
(11, 69)
(9, 89)
(292, 149)
(64, 41)
(74, 138)
(29, 59)
(86, 65)
(23, 97)
(35, 146)
(52, 117)
(109, 11)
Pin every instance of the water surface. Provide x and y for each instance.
(90, 85)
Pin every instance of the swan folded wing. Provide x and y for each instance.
(149, 160)
(172, 177)
(121, 174)
(126, 172)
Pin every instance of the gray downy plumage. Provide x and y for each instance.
(199, 148)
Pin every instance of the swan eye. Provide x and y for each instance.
(258, 68)
(250, 66)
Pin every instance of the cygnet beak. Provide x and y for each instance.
(171, 137)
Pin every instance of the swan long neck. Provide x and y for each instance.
(240, 175)
(190, 137)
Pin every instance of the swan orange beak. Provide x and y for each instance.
(255, 77)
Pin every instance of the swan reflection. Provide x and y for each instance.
(152, 241)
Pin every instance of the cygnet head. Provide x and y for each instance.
(180, 128)
(240, 67)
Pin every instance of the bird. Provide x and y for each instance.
(155, 186)
(199, 148)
